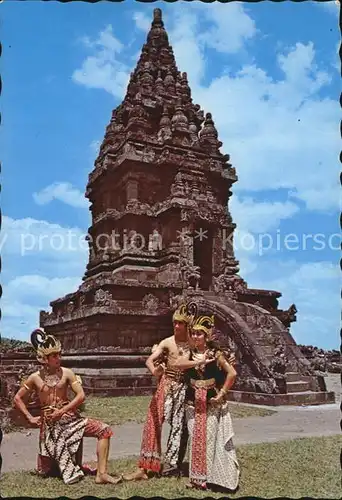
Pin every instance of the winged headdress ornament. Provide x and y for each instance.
(205, 324)
(44, 344)
(185, 313)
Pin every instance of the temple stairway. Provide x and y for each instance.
(298, 390)
(298, 393)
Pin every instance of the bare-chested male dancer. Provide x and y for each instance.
(61, 426)
(167, 404)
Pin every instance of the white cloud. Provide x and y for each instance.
(103, 70)
(336, 60)
(278, 133)
(259, 217)
(186, 45)
(255, 221)
(315, 289)
(56, 257)
(231, 27)
(316, 271)
(95, 146)
(246, 267)
(62, 191)
(300, 69)
(325, 199)
(30, 236)
(42, 248)
(142, 21)
(43, 289)
(24, 296)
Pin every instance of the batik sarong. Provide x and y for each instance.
(60, 441)
(174, 415)
(167, 405)
(150, 453)
(212, 458)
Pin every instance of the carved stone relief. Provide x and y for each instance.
(150, 303)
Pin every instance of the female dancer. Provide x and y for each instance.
(209, 376)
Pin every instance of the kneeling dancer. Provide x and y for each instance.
(61, 426)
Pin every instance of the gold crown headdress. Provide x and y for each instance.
(185, 313)
(205, 324)
(44, 344)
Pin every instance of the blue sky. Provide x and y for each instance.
(269, 74)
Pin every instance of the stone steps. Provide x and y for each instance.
(78, 363)
(299, 386)
(112, 372)
(211, 296)
(16, 363)
(117, 381)
(292, 376)
(119, 391)
(306, 398)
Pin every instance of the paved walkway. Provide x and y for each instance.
(19, 448)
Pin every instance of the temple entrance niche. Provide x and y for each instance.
(203, 254)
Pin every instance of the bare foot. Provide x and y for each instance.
(107, 479)
(196, 486)
(135, 476)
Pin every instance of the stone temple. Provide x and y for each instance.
(161, 231)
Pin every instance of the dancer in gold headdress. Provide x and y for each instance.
(61, 426)
(167, 404)
(209, 374)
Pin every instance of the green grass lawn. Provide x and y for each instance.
(307, 467)
(116, 411)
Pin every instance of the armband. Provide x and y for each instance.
(77, 381)
(25, 385)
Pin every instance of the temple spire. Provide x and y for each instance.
(155, 85)
(209, 136)
(157, 18)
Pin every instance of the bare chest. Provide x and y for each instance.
(178, 349)
(48, 384)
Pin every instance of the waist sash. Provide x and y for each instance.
(198, 464)
(173, 374)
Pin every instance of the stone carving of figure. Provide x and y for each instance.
(103, 297)
(191, 275)
(228, 282)
(150, 303)
(70, 307)
(155, 241)
(175, 301)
